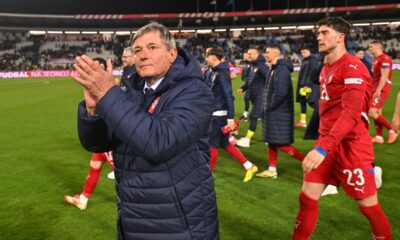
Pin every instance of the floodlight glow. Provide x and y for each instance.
(220, 30)
(236, 29)
(360, 24)
(380, 23)
(36, 32)
(72, 32)
(288, 27)
(188, 30)
(306, 27)
(174, 31)
(204, 31)
(395, 23)
(250, 29)
(54, 32)
(89, 32)
(106, 32)
(123, 32)
(271, 28)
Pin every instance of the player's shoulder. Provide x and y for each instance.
(353, 67)
(352, 63)
(384, 58)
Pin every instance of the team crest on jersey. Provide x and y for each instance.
(255, 69)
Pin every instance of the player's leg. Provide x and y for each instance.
(303, 112)
(374, 113)
(271, 172)
(215, 139)
(110, 161)
(244, 117)
(232, 150)
(292, 151)
(379, 223)
(254, 116)
(91, 181)
(307, 216)
(314, 183)
(357, 177)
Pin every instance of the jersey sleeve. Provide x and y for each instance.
(355, 82)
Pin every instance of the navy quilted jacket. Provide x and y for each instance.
(278, 105)
(164, 185)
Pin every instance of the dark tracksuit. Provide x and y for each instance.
(245, 77)
(256, 81)
(221, 87)
(308, 70)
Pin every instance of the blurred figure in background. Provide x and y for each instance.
(224, 112)
(308, 71)
(381, 84)
(255, 86)
(278, 111)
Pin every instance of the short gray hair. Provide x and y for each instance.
(165, 35)
(129, 49)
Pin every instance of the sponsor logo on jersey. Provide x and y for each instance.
(353, 81)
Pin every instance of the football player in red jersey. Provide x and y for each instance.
(381, 83)
(93, 177)
(343, 153)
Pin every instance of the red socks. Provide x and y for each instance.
(292, 151)
(378, 128)
(289, 149)
(91, 181)
(236, 154)
(272, 155)
(380, 119)
(378, 221)
(213, 157)
(306, 218)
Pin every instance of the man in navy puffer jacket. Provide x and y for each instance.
(278, 111)
(159, 139)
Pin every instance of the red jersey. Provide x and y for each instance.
(383, 61)
(344, 101)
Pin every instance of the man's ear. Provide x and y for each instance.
(173, 53)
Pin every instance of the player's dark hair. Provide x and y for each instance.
(216, 51)
(338, 24)
(257, 48)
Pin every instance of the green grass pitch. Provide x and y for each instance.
(42, 160)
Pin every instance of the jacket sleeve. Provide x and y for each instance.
(263, 70)
(311, 73)
(245, 86)
(355, 88)
(281, 85)
(157, 138)
(92, 131)
(226, 86)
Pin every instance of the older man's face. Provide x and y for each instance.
(152, 58)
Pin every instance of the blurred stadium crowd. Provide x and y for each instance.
(20, 51)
